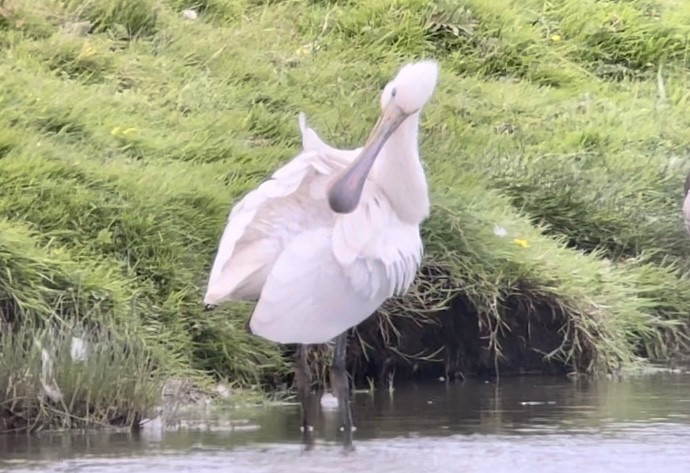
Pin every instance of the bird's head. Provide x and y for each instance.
(405, 95)
(411, 88)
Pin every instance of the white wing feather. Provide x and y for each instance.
(227, 274)
(331, 279)
(374, 232)
(308, 288)
(311, 141)
(307, 266)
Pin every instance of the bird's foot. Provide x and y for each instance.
(347, 438)
(307, 437)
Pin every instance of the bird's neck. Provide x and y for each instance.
(399, 173)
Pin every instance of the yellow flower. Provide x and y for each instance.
(521, 242)
(118, 131)
(302, 51)
(555, 38)
(87, 51)
(305, 49)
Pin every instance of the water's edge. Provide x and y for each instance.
(517, 425)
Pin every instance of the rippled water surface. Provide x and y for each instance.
(528, 424)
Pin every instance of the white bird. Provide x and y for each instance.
(331, 235)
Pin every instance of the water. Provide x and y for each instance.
(525, 424)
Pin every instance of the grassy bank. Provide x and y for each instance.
(555, 145)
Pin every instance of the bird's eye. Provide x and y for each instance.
(393, 92)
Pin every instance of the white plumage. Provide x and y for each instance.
(314, 272)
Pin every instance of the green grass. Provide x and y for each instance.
(44, 387)
(128, 132)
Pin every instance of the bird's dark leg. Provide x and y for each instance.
(341, 386)
(303, 381)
